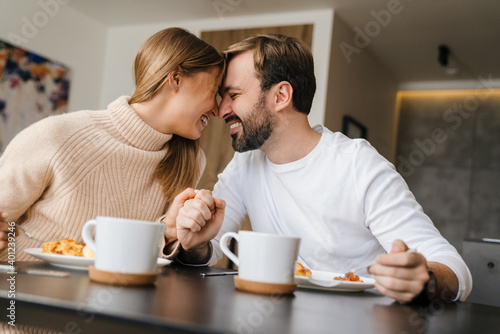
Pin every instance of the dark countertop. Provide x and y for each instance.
(181, 301)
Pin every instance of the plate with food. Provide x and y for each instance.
(70, 254)
(330, 281)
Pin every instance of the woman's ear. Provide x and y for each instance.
(283, 95)
(174, 78)
(173, 82)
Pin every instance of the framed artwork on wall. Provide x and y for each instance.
(32, 87)
(353, 129)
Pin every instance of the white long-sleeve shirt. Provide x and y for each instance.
(344, 200)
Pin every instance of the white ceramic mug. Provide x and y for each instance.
(124, 245)
(263, 257)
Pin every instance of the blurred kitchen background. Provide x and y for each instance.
(423, 78)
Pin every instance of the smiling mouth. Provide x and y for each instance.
(234, 125)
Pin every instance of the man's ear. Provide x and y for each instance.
(283, 93)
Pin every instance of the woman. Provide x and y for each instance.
(129, 161)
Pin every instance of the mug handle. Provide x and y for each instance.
(87, 236)
(223, 245)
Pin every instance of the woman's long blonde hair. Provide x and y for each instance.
(161, 54)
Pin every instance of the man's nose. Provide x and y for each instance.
(225, 107)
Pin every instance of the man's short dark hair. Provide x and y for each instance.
(280, 58)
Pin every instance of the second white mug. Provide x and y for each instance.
(263, 257)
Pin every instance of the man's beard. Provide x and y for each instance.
(256, 128)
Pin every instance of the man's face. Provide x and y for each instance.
(244, 106)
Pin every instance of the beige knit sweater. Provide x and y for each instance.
(64, 170)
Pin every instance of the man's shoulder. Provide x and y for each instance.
(247, 159)
(339, 142)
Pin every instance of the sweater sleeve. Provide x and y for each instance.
(25, 171)
(392, 212)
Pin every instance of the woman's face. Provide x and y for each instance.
(196, 103)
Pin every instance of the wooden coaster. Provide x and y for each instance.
(264, 288)
(109, 277)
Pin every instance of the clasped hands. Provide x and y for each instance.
(194, 218)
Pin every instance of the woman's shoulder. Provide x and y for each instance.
(53, 130)
(72, 120)
(40, 142)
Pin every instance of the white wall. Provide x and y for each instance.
(123, 43)
(362, 89)
(56, 31)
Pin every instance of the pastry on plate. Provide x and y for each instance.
(300, 270)
(67, 247)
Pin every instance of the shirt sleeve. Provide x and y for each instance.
(230, 187)
(392, 212)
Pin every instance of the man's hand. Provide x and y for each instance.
(399, 274)
(4, 232)
(199, 220)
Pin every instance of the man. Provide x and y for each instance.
(346, 202)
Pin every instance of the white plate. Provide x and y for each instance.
(72, 262)
(320, 278)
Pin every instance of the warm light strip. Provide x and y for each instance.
(463, 92)
(491, 240)
(466, 93)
